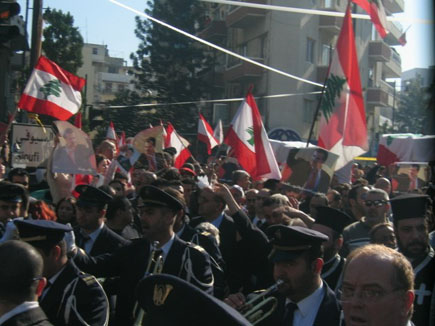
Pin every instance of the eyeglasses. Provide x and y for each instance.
(376, 203)
(365, 295)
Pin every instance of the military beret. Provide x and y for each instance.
(41, 231)
(169, 300)
(409, 206)
(153, 196)
(332, 218)
(289, 242)
(91, 196)
(12, 192)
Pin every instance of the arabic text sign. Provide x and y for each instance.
(30, 145)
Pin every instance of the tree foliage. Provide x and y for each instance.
(63, 42)
(413, 111)
(168, 65)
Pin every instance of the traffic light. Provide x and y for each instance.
(9, 23)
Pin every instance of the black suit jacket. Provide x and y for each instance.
(327, 315)
(107, 241)
(32, 317)
(130, 263)
(244, 249)
(90, 300)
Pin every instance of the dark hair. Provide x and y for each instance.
(118, 182)
(99, 158)
(120, 176)
(151, 140)
(237, 174)
(72, 201)
(271, 184)
(21, 266)
(416, 166)
(188, 181)
(323, 152)
(353, 193)
(17, 171)
(117, 203)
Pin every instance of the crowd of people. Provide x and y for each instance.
(193, 245)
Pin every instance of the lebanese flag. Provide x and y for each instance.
(218, 132)
(250, 144)
(205, 134)
(164, 134)
(174, 140)
(376, 11)
(343, 129)
(121, 140)
(405, 148)
(52, 90)
(78, 120)
(111, 134)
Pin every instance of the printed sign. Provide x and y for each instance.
(31, 145)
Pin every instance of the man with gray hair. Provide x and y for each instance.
(376, 208)
(21, 283)
(378, 287)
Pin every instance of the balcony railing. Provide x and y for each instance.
(242, 17)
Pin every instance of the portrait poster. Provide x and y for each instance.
(311, 168)
(31, 144)
(126, 158)
(149, 141)
(408, 176)
(74, 153)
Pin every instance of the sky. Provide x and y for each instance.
(103, 22)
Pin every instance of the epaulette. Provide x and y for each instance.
(197, 247)
(205, 233)
(87, 278)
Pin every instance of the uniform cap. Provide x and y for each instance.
(12, 192)
(153, 196)
(41, 231)
(91, 196)
(289, 242)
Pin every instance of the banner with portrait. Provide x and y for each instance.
(409, 176)
(74, 153)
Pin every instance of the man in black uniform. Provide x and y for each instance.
(303, 298)
(188, 261)
(410, 214)
(14, 200)
(71, 297)
(21, 283)
(92, 235)
(331, 222)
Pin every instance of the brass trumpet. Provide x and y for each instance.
(257, 304)
(154, 266)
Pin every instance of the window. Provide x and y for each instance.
(310, 50)
(94, 50)
(108, 87)
(326, 55)
(308, 111)
(113, 70)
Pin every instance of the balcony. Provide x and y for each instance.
(243, 70)
(215, 31)
(395, 32)
(394, 6)
(380, 95)
(330, 24)
(242, 17)
(379, 51)
(393, 67)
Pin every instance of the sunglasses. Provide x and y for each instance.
(376, 203)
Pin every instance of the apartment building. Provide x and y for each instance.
(105, 75)
(299, 44)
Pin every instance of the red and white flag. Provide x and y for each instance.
(78, 120)
(218, 132)
(343, 129)
(174, 140)
(205, 134)
(52, 90)
(111, 134)
(376, 11)
(164, 134)
(250, 144)
(121, 140)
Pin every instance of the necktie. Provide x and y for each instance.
(311, 182)
(84, 238)
(290, 309)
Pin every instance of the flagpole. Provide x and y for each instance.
(319, 103)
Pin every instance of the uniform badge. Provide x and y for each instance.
(161, 293)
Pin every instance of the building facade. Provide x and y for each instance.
(105, 75)
(299, 44)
